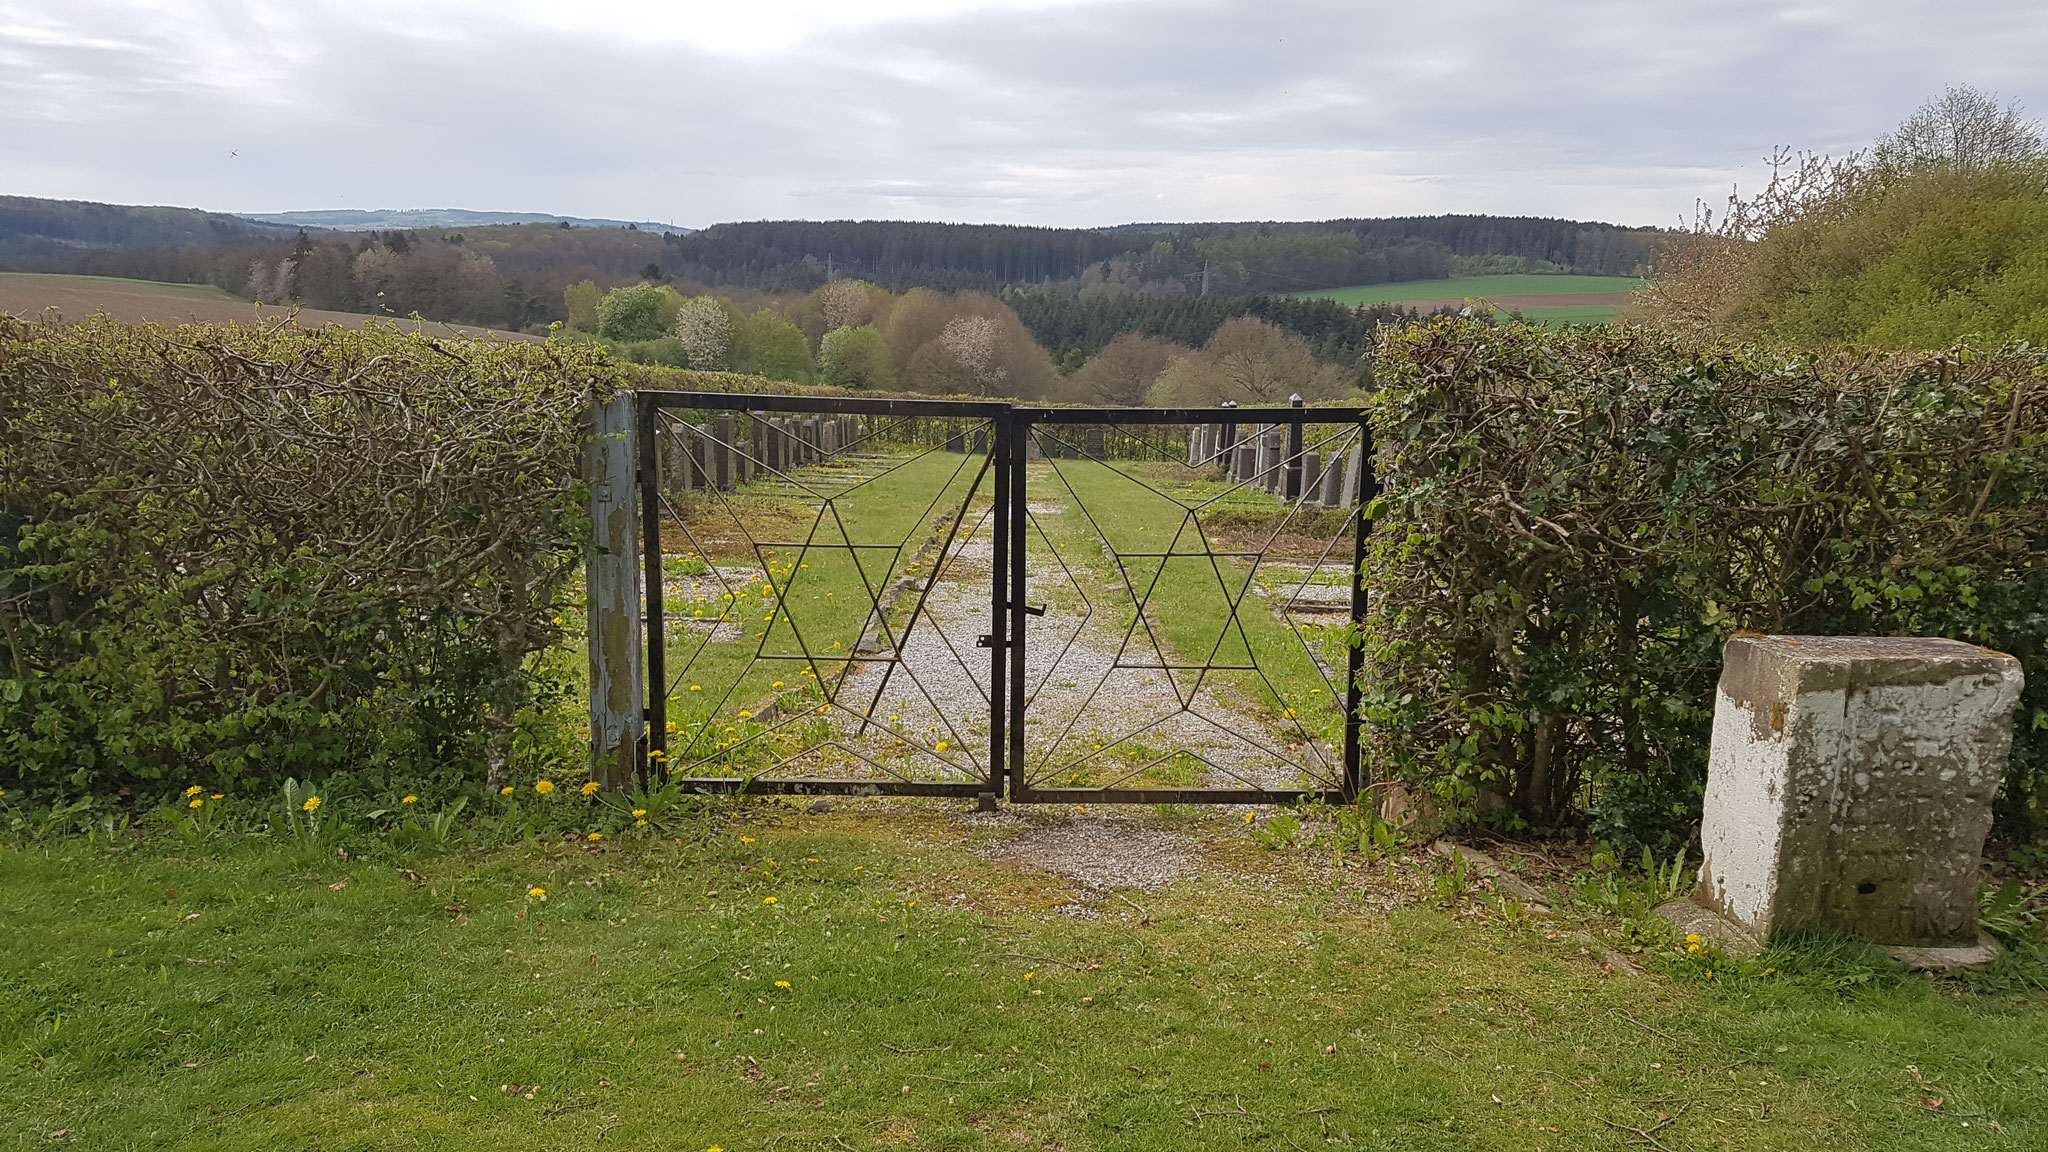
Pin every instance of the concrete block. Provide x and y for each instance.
(1849, 786)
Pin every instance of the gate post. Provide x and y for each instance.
(611, 576)
(1364, 487)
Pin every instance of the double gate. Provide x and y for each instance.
(974, 599)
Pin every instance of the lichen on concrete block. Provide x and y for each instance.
(1850, 785)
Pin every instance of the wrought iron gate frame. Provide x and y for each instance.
(1011, 427)
(647, 410)
(1022, 422)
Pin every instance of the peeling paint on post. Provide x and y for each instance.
(612, 577)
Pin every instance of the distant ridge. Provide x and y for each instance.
(359, 220)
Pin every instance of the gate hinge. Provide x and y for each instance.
(986, 641)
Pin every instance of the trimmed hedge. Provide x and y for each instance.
(1576, 520)
(258, 552)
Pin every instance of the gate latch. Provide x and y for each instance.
(1034, 609)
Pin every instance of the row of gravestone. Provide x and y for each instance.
(722, 453)
(1256, 455)
(1042, 444)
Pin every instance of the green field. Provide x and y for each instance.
(872, 979)
(1468, 286)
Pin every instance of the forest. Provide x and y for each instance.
(872, 301)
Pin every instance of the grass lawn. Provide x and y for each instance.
(867, 979)
(1458, 288)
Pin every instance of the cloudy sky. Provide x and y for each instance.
(1070, 112)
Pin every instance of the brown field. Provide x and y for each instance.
(31, 295)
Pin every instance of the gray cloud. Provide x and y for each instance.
(1083, 114)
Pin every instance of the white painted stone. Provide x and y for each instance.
(1850, 784)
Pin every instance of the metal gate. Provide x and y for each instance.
(940, 598)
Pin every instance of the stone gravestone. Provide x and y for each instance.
(1245, 465)
(1312, 483)
(955, 442)
(1849, 788)
(981, 441)
(1333, 483)
(1096, 449)
(721, 451)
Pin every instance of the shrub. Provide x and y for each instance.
(1575, 521)
(264, 553)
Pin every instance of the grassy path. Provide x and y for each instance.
(869, 980)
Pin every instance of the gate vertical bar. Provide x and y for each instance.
(998, 652)
(612, 588)
(651, 594)
(1355, 782)
(1015, 433)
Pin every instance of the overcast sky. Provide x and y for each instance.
(1068, 112)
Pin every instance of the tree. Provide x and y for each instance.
(1961, 128)
(854, 358)
(845, 303)
(704, 327)
(1125, 369)
(767, 344)
(638, 312)
(1251, 362)
(1937, 234)
(581, 300)
(976, 343)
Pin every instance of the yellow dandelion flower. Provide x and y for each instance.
(782, 983)
(639, 823)
(746, 839)
(639, 811)
(940, 746)
(505, 791)
(312, 804)
(194, 790)
(597, 836)
(410, 800)
(696, 687)
(590, 788)
(777, 684)
(544, 786)
(1248, 817)
(196, 802)
(767, 899)
(537, 893)
(1692, 937)
(215, 796)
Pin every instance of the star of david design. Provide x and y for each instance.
(1231, 650)
(787, 640)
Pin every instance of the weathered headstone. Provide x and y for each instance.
(1245, 461)
(721, 450)
(1333, 483)
(955, 442)
(700, 455)
(1849, 788)
(981, 441)
(1354, 462)
(828, 438)
(1097, 449)
(1311, 487)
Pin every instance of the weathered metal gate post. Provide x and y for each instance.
(1368, 490)
(611, 577)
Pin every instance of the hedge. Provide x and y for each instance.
(246, 553)
(1576, 521)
